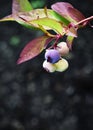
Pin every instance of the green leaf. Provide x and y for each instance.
(21, 6)
(33, 48)
(35, 18)
(69, 41)
(58, 17)
(43, 13)
(48, 24)
(38, 18)
(7, 18)
(41, 17)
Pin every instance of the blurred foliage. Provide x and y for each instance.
(15, 40)
(37, 3)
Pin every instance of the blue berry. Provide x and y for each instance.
(52, 56)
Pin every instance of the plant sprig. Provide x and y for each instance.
(62, 18)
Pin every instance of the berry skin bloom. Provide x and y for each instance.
(49, 67)
(62, 48)
(52, 56)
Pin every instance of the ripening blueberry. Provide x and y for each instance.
(52, 56)
(49, 66)
(62, 48)
(61, 65)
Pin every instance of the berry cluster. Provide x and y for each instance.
(53, 58)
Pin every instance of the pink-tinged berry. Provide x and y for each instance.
(62, 48)
(52, 56)
(61, 65)
(49, 66)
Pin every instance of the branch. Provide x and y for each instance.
(86, 20)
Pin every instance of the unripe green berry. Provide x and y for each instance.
(61, 65)
(49, 66)
(62, 48)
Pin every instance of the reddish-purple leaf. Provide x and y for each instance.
(33, 48)
(68, 11)
(75, 14)
(15, 7)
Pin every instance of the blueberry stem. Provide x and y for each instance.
(58, 36)
(84, 20)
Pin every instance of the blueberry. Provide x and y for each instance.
(52, 56)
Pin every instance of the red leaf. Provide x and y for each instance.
(15, 7)
(68, 11)
(76, 14)
(33, 48)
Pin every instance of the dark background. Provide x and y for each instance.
(31, 98)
